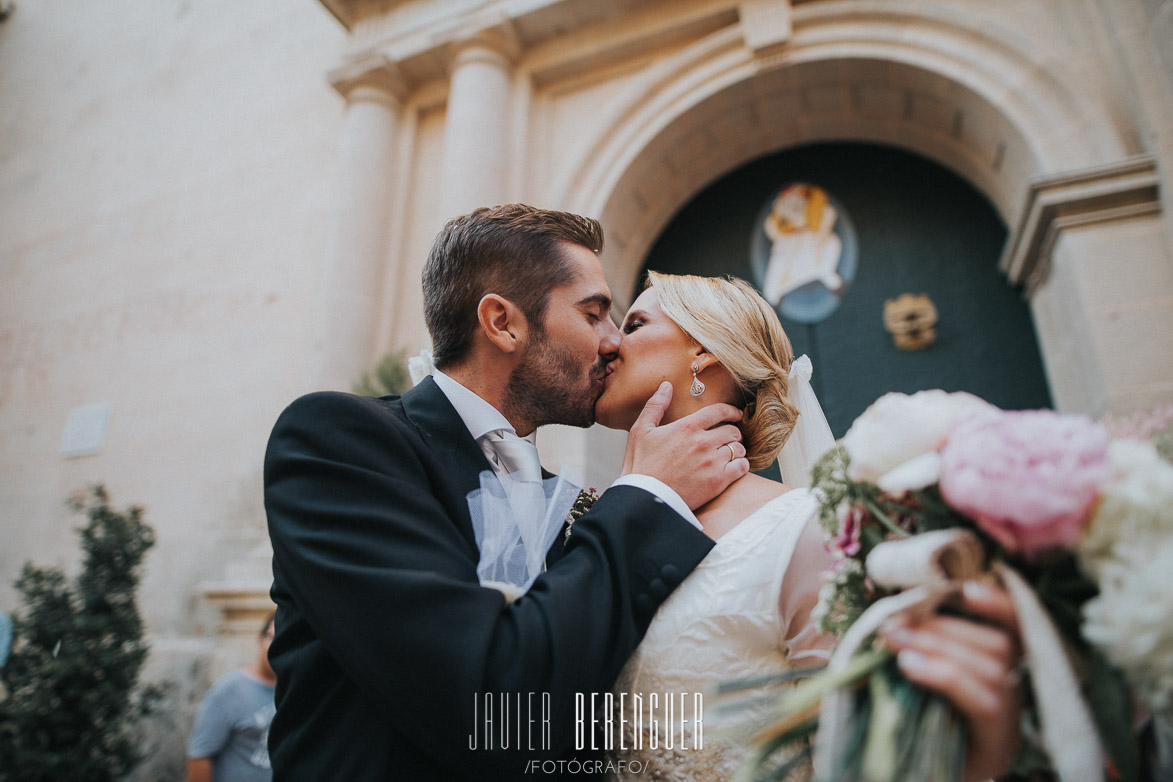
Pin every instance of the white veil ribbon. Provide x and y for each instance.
(420, 366)
(515, 523)
(811, 436)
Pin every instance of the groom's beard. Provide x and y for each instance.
(548, 387)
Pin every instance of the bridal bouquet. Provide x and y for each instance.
(927, 490)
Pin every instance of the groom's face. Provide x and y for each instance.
(560, 375)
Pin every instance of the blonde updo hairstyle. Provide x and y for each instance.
(734, 324)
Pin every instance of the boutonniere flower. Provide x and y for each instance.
(586, 498)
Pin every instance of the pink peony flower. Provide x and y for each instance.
(1029, 479)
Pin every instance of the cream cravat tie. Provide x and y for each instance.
(516, 456)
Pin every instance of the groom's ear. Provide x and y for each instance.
(502, 322)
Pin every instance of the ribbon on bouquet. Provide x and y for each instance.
(930, 568)
(515, 523)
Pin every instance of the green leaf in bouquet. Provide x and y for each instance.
(881, 749)
(764, 767)
(1108, 694)
(930, 512)
(811, 691)
(869, 538)
(767, 680)
(732, 721)
(796, 711)
(1063, 589)
(931, 739)
(1030, 761)
(933, 505)
(846, 759)
(937, 738)
(899, 732)
(881, 515)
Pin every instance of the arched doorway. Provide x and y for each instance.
(935, 82)
(919, 229)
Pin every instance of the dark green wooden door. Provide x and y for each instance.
(920, 229)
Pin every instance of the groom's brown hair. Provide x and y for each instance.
(515, 251)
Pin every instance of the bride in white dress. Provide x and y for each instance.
(746, 609)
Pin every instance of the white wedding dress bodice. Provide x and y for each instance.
(723, 622)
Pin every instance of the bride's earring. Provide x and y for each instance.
(697, 388)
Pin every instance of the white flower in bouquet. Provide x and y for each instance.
(1136, 507)
(1129, 620)
(1128, 550)
(895, 443)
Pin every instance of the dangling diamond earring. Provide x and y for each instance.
(697, 388)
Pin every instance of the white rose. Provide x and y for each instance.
(896, 443)
(1129, 619)
(1136, 507)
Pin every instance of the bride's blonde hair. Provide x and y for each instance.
(733, 323)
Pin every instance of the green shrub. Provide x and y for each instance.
(70, 703)
(390, 376)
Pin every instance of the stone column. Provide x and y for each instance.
(1089, 249)
(353, 268)
(476, 132)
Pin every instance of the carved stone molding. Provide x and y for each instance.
(374, 71)
(350, 11)
(497, 40)
(766, 25)
(1107, 193)
(242, 596)
(380, 69)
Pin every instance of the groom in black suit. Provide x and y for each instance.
(388, 650)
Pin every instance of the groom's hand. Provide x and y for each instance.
(689, 455)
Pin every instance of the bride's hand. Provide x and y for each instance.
(971, 663)
(689, 454)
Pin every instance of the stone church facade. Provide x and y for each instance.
(210, 208)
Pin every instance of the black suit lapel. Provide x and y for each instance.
(444, 431)
(556, 550)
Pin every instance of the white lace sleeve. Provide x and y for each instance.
(801, 638)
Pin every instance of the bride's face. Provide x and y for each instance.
(653, 349)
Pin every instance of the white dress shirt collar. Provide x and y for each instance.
(479, 416)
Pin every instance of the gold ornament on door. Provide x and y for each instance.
(912, 320)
